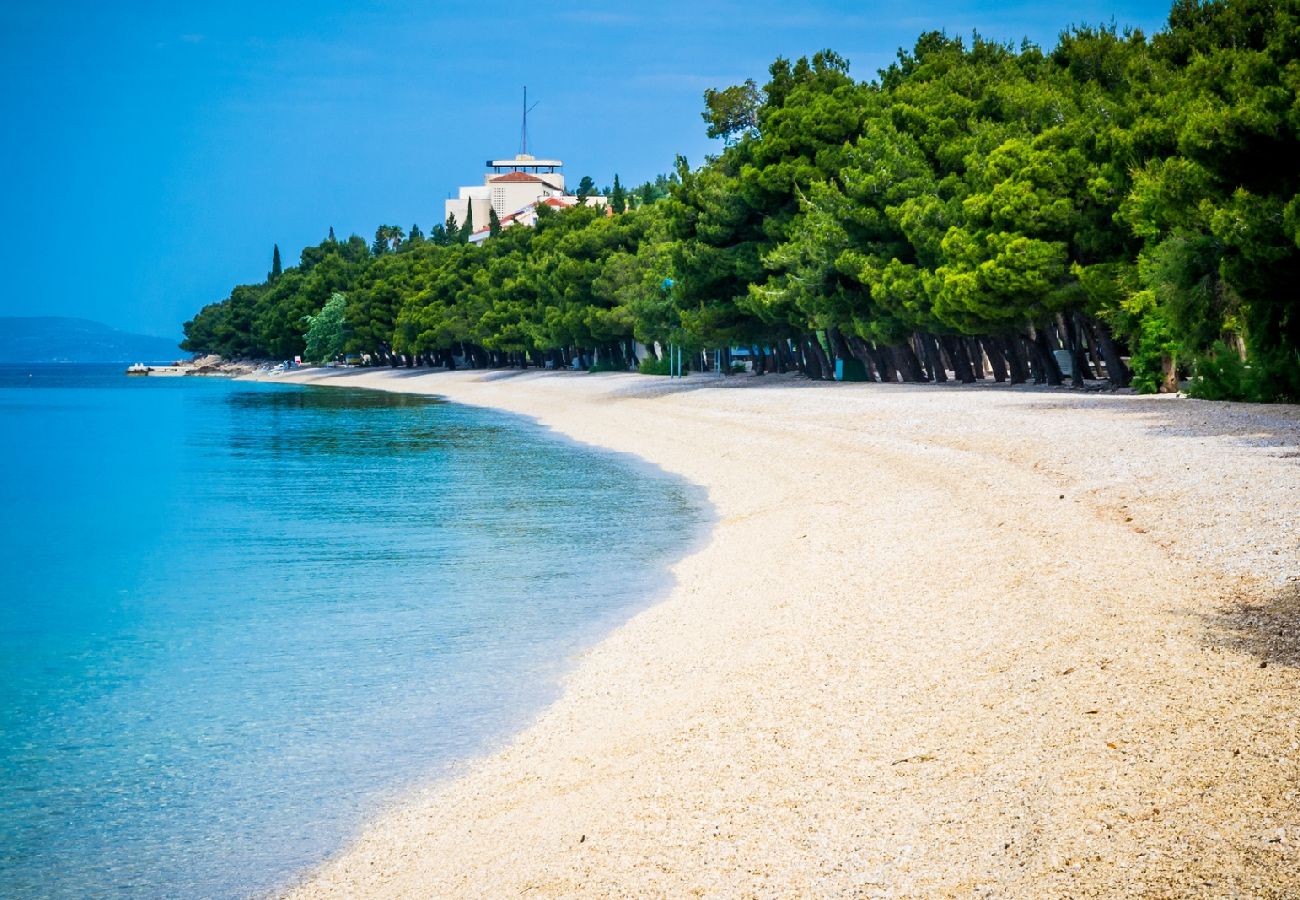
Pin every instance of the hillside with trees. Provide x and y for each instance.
(979, 209)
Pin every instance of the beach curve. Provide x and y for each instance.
(940, 641)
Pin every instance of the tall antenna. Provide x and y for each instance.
(523, 137)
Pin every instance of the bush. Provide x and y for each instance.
(607, 365)
(1222, 375)
(652, 366)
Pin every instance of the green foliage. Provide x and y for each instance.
(974, 189)
(327, 331)
(732, 112)
(387, 239)
(618, 196)
(468, 228)
(652, 366)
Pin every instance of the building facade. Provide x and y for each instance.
(511, 187)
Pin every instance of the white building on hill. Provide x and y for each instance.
(512, 187)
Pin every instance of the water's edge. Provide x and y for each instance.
(412, 792)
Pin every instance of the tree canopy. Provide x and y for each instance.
(977, 209)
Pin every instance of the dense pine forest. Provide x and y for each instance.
(979, 209)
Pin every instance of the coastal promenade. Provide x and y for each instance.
(940, 641)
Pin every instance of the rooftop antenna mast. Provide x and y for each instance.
(523, 138)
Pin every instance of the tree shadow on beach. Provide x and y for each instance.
(1267, 628)
(1251, 424)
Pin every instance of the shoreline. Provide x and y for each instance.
(937, 642)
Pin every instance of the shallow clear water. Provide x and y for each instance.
(239, 617)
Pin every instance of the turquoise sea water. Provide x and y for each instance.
(237, 618)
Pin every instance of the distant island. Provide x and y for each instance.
(59, 339)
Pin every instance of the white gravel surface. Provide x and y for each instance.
(942, 641)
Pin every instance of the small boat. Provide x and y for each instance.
(137, 369)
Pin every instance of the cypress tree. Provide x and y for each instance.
(468, 228)
(618, 196)
(494, 223)
(331, 238)
(275, 263)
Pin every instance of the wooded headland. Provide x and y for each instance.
(1129, 204)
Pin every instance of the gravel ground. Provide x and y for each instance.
(941, 641)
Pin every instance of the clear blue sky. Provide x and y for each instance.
(154, 152)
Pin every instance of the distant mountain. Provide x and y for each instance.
(56, 339)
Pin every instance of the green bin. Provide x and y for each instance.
(850, 370)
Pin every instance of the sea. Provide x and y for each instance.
(239, 619)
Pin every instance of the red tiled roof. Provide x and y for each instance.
(521, 178)
(515, 178)
(564, 202)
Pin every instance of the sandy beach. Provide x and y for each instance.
(941, 641)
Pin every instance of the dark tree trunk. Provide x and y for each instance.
(1080, 370)
(1017, 359)
(1116, 372)
(825, 362)
(812, 365)
(961, 366)
(781, 351)
(931, 357)
(976, 356)
(839, 348)
(908, 365)
(1082, 346)
(884, 364)
(1045, 358)
(858, 347)
(997, 362)
(1033, 360)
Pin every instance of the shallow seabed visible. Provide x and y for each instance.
(240, 617)
(940, 642)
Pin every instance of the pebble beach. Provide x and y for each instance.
(940, 641)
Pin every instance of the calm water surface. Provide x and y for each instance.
(238, 617)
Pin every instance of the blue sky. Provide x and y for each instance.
(154, 152)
